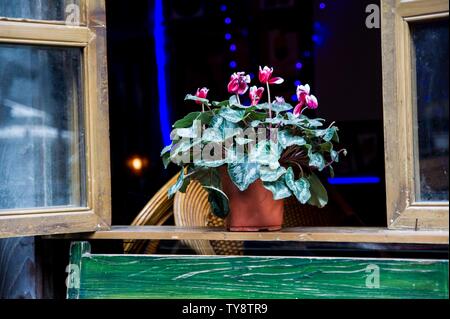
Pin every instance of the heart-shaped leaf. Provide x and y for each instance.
(286, 139)
(299, 188)
(243, 174)
(270, 175)
(278, 189)
(319, 196)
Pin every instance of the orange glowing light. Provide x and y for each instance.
(137, 164)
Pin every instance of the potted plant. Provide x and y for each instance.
(251, 157)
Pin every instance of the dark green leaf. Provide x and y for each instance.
(206, 117)
(166, 159)
(319, 196)
(208, 177)
(331, 171)
(256, 116)
(187, 121)
(326, 147)
(219, 203)
(221, 104)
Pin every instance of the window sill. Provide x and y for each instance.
(303, 234)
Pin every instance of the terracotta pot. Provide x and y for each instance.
(252, 210)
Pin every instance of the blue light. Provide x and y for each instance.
(307, 54)
(297, 83)
(228, 36)
(227, 20)
(322, 6)
(233, 64)
(233, 48)
(299, 65)
(317, 39)
(294, 98)
(160, 42)
(223, 8)
(252, 75)
(354, 180)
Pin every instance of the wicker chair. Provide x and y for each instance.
(192, 209)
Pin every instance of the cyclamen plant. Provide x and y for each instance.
(272, 141)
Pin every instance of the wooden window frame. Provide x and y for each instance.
(404, 212)
(407, 223)
(90, 36)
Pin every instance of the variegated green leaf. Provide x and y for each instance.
(270, 175)
(299, 188)
(231, 115)
(191, 97)
(286, 139)
(178, 185)
(278, 189)
(317, 160)
(266, 153)
(212, 135)
(243, 174)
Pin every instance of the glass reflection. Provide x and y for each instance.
(431, 64)
(41, 136)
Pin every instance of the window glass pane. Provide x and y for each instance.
(56, 10)
(41, 134)
(431, 64)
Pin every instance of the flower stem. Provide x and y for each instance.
(238, 99)
(270, 101)
(270, 104)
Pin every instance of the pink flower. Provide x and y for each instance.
(201, 93)
(239, 83)
(256, 94)
(312, 102)
(302, 92)
(305, 98)
(265, 76)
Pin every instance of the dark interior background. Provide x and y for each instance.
(324, 43)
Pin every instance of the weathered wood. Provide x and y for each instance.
(170, 277)
(91, 39)
(18, 270)
(77, 251)
(302, 234)
(404, 211)
(44, 32)
(420, 7)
